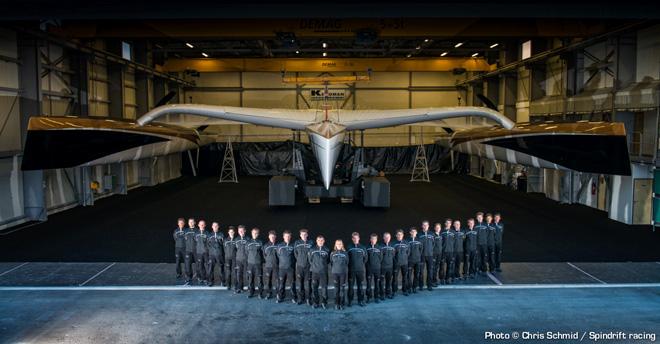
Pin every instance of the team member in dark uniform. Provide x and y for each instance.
(448, 248)
(428, 241)
(286, 268)
(470, 263)
(415, 261)
(499, 231)
(437, 253)
(319, 257)
(201, 252)
(241, 259)
(303, 276)
(490, 242)
(357, 259)
(255, 263)
(387, 266)
(401, 263)
(374, 267)
(230, 257)
(482, 242)
(215, 243)
(339, 270)
(459, 241)
(270, 265)
(190, 251)
(180, 246)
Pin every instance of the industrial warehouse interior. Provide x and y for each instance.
(185, 172)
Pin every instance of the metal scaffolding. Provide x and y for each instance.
(420, 172)
(228, 171)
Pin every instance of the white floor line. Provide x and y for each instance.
(484, 286)
(12, 269)
(586, 273)
(7, 232)
(493, 278)
(97, 274)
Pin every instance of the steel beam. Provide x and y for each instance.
(34, 200)
(328, 64)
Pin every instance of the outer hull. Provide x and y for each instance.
(593, 147)
(59, 142)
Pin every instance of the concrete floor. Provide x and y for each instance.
(144, 303)
(211, 316)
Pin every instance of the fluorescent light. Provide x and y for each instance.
(458, 44)
(189, 45)
(444, 54)
(494, 45)
(325, 54)
(325, 45)
(475, 54)
(205, 54)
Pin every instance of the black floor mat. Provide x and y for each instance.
(138, 227)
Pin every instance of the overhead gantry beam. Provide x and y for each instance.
(328, 65)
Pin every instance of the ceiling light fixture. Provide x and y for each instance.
(325, 45)
(475, 54)
(494, 45)
(426, 40)
(297, 51)
(205, 54)
(444, 54)
(458, 44)
(325, 54)
(189, 45)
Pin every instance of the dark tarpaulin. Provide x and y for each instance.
(275, 158)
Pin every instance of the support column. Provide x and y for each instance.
(118, 171)
(115, 81)
(146, 172)
(142, 79)
(34, 200)
(80, 82)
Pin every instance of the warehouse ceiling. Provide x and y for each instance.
(332, 37)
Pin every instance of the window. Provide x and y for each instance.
(526, 50)
(126, 50)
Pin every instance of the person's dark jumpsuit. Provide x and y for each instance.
(201, 254)
(428, 242)
(374, 273)
(499, 231)
(387, 269)
(255, 263)
(437, 257)
(357, 259)
(470, 263)
(190, 254)
(490, 246)
(270, 268)
(179, 249)
(215, 244)
(230, 261)
(482, 245)
(459, 248)
(286, 271)
(319, 257)
(303, 276)
(339, 271)
(401, 266)
(448, 248)
(241, 263)
(415, 264)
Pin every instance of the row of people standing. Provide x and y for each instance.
(306, 265)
